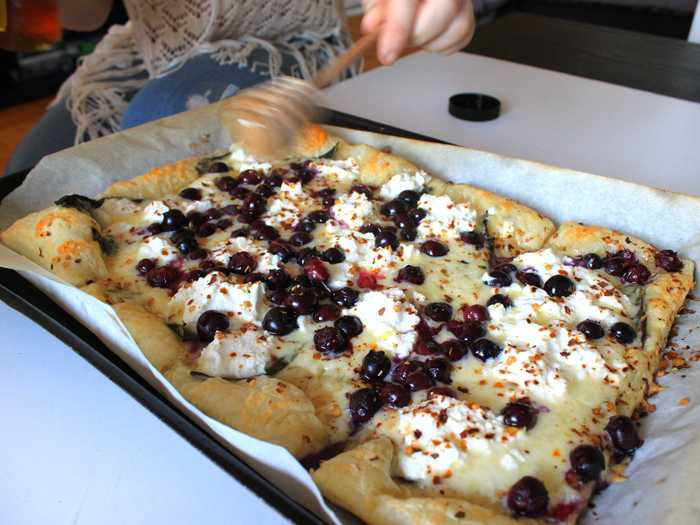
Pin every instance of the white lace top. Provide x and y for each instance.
(162, 35)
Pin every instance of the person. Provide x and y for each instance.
(177, 55)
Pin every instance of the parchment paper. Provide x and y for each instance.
(661, 488)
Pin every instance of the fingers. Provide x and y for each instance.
(374, 15)
(397, 30)
(458, 34)
(432, 19)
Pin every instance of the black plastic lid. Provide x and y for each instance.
(474, 106)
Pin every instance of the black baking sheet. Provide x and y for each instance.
(25, 298)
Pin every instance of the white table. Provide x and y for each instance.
(77, 450)
(546, 116)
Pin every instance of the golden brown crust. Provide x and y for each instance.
(664, 296)
(60, 240)
(263, 407)
(158, 182)
(360, 480)
(158, 343)
(313, 142)
(514, 227)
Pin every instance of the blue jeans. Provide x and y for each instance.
(199, 81)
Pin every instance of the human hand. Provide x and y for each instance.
(440, 26)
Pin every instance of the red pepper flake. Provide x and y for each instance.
(684, 402)
(417, 433)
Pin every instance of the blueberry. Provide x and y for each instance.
(409, 197)
(622, 333)
(668, 260)
(528, 497)
(346, 297)
(439, 312)
(498, 279)
(392, 208)
(218, 167)
(195, 218)
(306, 254)
(434, 249)
(529, 278)
(145, 265)
(242, 263)
(363, 404)
(305, 226)
(350, 325)
(226, 183)
(302, 300)
(250, 177)
(592, 261)
(409, 234)
(253, 205)
(206, 229)
(212, 214)
(484, 349)
(163, 277)
(439, 369)
(394, 395)
(240, 192)
(418, 214)
(315, 270)
(282, 250)
(174, 220)
(403, 221)
(375, 367)
(419, 380)
(466, 330)
(559, 286)
(636, 273)
(280, 320)
(455, 349)
(615, 266)
(191, 194)
(209, 323)
(265, 232)
(333, 255)
(591, 329)
(411, 274)
(318, 216)
(623, 434)
(588, 462)
(327, 312)
(300, 238)
(475, 313)
(330, 340)
(386, 239)
(187, 245)
(476, 239)
(499, 299)
(277, 280)
(519, 414)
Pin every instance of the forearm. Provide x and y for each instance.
(84, 15)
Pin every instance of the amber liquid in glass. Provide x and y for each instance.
(31, 25)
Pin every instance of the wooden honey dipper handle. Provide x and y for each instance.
(352, 55)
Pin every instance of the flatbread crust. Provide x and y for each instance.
(61, 240)
(515, 228)
(664, 295)
(360, 480)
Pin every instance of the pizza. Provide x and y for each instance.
(432, 352)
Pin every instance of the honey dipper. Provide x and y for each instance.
(266, 118)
